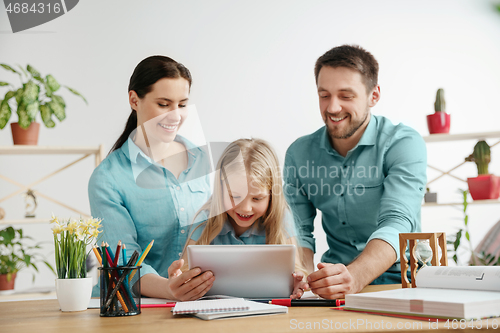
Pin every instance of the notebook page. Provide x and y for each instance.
(216, 305)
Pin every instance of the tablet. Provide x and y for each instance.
(250, 271)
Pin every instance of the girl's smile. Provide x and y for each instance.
(244, 202)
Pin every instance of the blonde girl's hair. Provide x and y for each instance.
(258, 159)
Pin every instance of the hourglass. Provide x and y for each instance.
(423, 248)
(423, 251)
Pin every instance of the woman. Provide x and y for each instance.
(153, 181)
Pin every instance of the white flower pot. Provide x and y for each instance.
(74, 294)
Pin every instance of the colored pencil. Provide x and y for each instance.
(117, 252)
(141, 259)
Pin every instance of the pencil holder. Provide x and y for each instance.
(117, 298)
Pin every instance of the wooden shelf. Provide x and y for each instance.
(473, 202)
(464, 136)
(86, 151)
(40, 150)
(25, 221)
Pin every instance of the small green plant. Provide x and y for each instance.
(15, 254)
(35, 94)
(440, 103)
(456, 239)
(481, 156)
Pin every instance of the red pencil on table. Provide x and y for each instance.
(164, 305)
(308, 302)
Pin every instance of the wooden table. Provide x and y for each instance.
(45, 316)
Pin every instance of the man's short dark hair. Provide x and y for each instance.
(354, 57)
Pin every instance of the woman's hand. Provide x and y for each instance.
(189, 285)
(298, 285)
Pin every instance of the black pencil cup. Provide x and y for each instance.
(117, 298)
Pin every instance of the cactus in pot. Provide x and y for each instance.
(439, 122)
(481, 156)
(440, 103)
(485, 186)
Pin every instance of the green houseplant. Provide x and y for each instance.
(485, 185)
(16, 254)
(35, 94)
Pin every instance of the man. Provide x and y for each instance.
(366, 175)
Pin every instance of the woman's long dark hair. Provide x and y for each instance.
(147, 73)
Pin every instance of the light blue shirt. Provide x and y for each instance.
(256, 234)
(374, 192)
(139, 200)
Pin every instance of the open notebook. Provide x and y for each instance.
(442, 292)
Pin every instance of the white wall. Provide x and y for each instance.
(252, 63)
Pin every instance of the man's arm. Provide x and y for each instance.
(336, 280)
(302, 208)
(404, 185)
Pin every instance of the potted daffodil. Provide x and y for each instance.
(71, 238)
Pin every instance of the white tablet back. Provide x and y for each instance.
(251, 271)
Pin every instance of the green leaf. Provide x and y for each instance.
(467, 236)
(32, 110)
(22, 69)
(33, 71)
(59, 100)
(77, 93)
(48, 91)
(466, 219)
(3, 84)
(9, 95)
(52, 83)
(5, 113)
(24, 119)
(46, 114)
(19, 95)
(7, 67)
(50, 267)
(31, 91)
(57, 109)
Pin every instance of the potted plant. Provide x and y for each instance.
(71, 238)
(430, 197)
(484, 186)
(439, 121)
(36, 94)
(15, 255)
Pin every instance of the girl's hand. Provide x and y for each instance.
(298, 285)
(189, 285)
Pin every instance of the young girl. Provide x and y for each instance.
(248, 205)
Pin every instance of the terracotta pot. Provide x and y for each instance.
(484, 187)
(438, 122)
(23, 136)
(7, 285)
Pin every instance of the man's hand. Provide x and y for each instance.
(332, 281)
(189, 285)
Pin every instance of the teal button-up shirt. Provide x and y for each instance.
(139, 200)
(374, 192)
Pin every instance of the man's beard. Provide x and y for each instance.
(350, 131)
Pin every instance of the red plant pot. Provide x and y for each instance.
(438, 122)
(7, 285)
(484, 187)
(22, 136)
